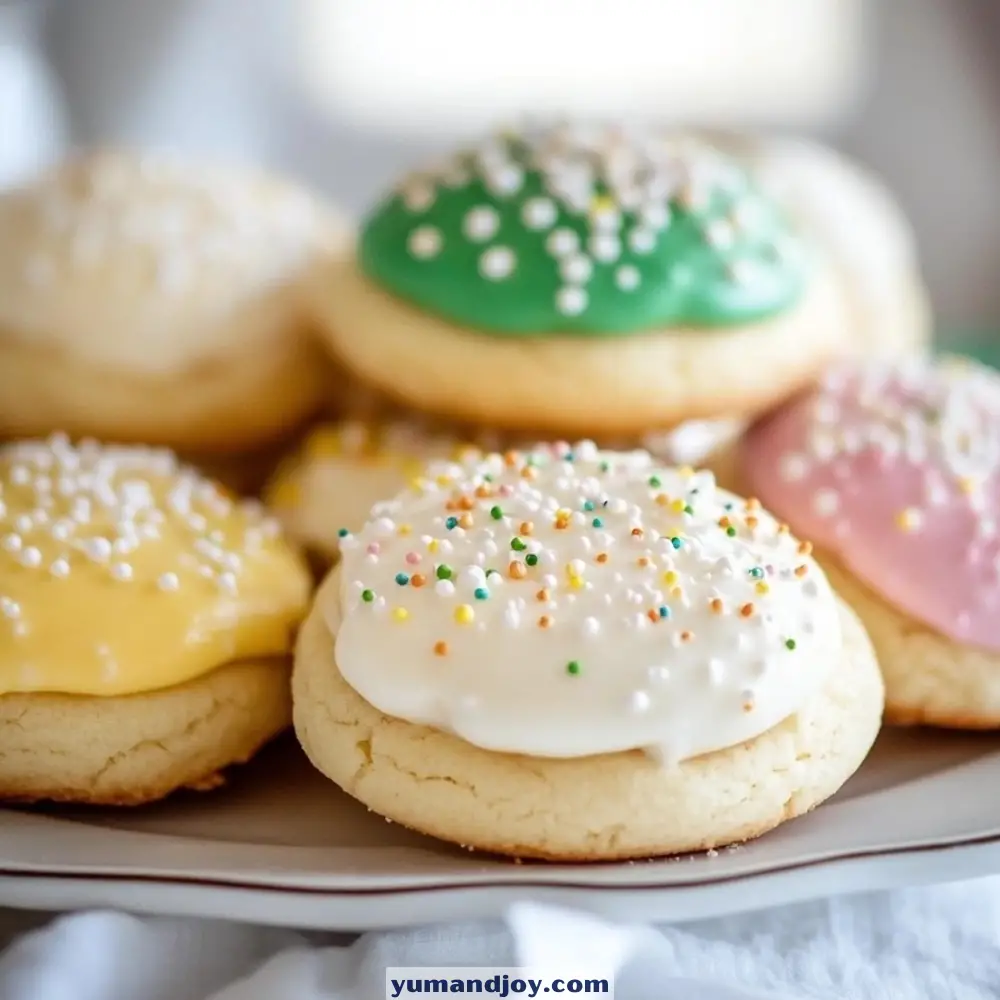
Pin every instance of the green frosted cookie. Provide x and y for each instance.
(591, 232)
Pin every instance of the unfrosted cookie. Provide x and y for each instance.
(894, 470)
(576, 280)
(145, 624)
(857, 223)
(144, 299)
(576, 654)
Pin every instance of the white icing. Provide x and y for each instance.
(700, 679)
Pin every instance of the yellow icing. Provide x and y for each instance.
(122, 571)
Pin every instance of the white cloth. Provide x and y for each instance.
(938, 943)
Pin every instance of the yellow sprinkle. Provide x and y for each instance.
(686, 471)
(576, 583)
(562, 514)
(670, 577)
(417, 484)
(677, 506)
(967, 484)
(602, 203)
(400, 614)
(676, 592)
(762, 587)
(443, 480)
(404, 529)
(464, 614)
(908, 519)
(432, 545)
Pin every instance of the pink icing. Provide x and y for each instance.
(897, 470)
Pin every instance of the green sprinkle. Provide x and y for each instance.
(517, 545)
(756, 572)
(789, 644)
(451, 522)
(588, 504)
(480, 593)
(343, 533)
(730, 531)
(531, 559)
(569, 457)
(654, 481)
(402, 579)
(688, 509)
(728, 506)
(496, 513)
(597, 523)
(367, 596)
(664, 611)
(675, 542)
(444, 572)
(488, 477)
(573, 667)
(604, 466)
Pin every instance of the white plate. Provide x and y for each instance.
(281, 845)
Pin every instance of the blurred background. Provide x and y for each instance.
(346, 93)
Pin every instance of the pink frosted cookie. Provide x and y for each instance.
(894, 472)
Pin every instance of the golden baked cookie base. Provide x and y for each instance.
(602, 808)
(574, 386)
(238, 400)
(134, 749)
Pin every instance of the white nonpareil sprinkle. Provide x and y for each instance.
(571, 301)
(425, 242)
(481, 223)
(497, 263)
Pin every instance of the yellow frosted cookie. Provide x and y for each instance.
(144, 299)
(578, 654)
(145, 624)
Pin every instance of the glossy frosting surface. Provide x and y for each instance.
(585, 231)
(896, 469)
(122, 571)
(568, 602)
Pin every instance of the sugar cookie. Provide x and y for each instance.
(582, 281)
(145, 624)
(894, 470)
(149, 300)
(576, 654)
(853, 217)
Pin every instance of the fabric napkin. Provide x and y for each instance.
(938, 943)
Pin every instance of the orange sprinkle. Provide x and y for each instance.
(526, 528)
(653, 615)
(510, 458)
(724, 522)
(417, 580)
(801, 570)
(517, 570)
(450, 505)
(542, 595)
(752, 522)
(465, 503)
(561, 524)
(716, 605)
(637, 532)
(642, 561)
(752, 504)
(746, 611)
(805, 548)
(783, 529)
(465, 521)
(662, 499)
(544, 622)
(601, 557)
(748, 706)
(441, 648)
(483, 491)
(529, 472)
(687, 636)
(676, 592)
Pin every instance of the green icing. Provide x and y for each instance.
(587, 237)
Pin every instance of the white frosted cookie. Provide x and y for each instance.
(146, 299)
(145, 624)
(576, 654)
(574, 280)
(860, 226)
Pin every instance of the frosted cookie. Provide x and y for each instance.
(327, 488)
(155, 301)
(855, 220)
(575, 654)
(582, 281)
(894, 471)
(145, 624)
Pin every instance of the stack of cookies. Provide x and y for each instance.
(585, 650)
